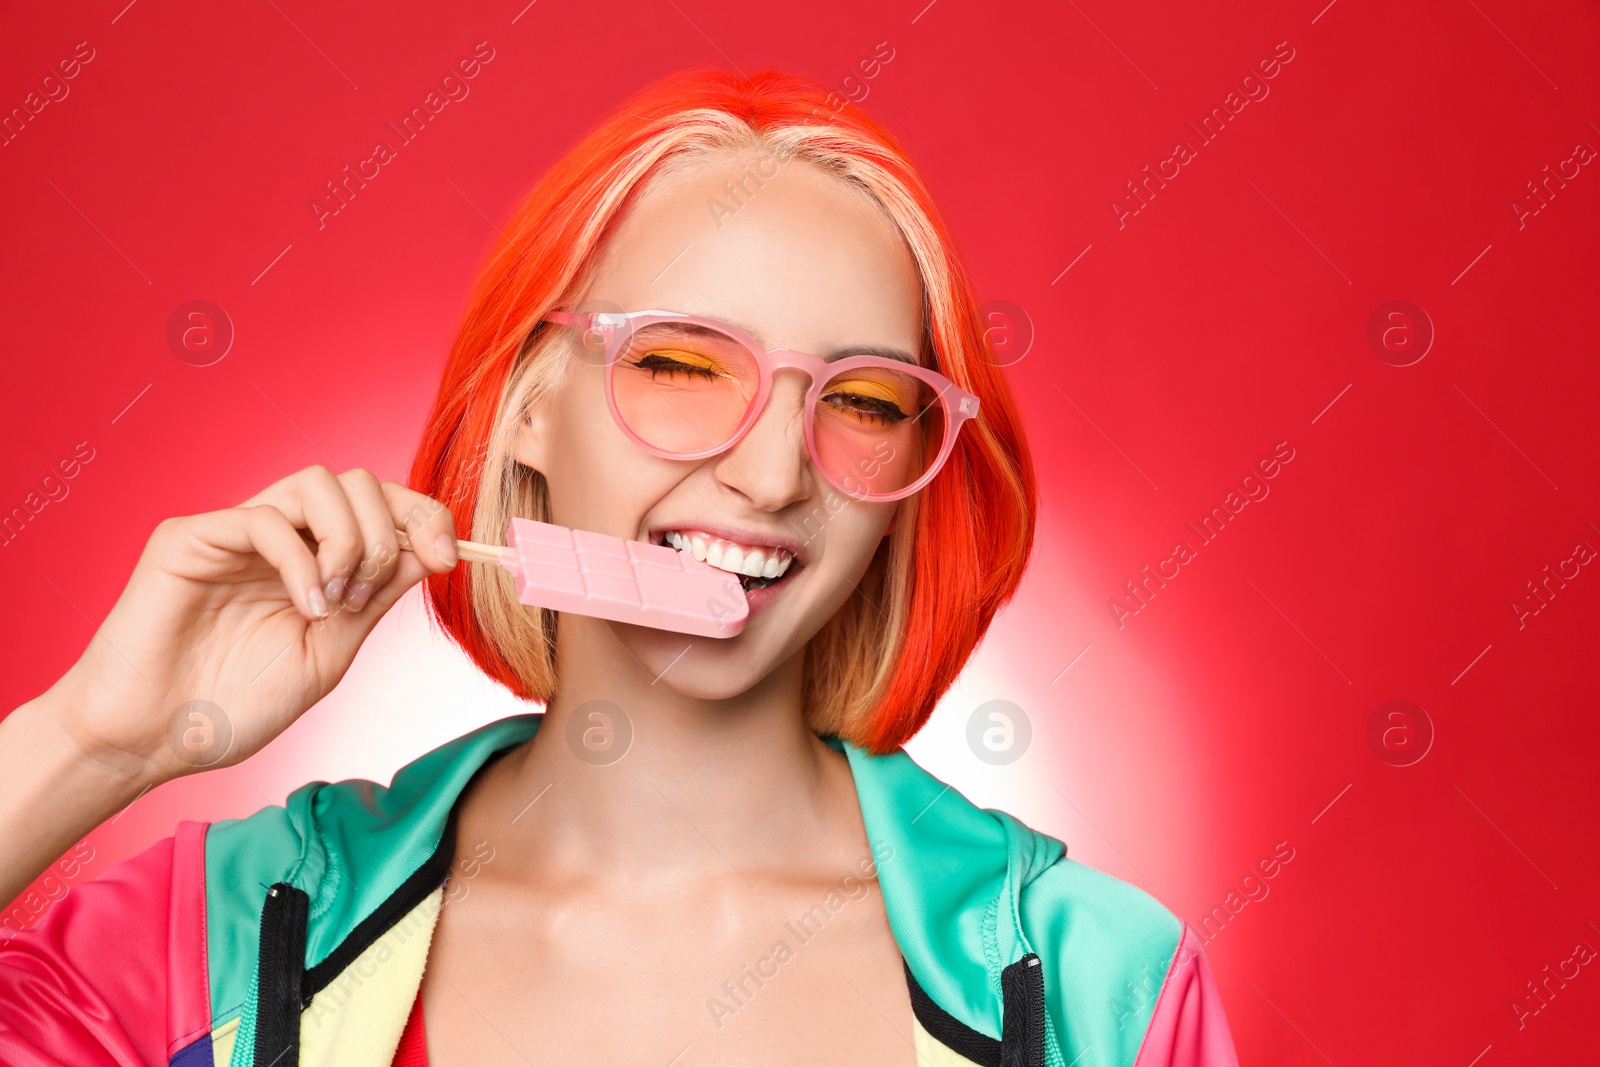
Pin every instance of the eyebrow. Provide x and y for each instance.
(881, 351)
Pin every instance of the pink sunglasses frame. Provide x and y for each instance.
(614, 328)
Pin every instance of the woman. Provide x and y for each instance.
(703, 846)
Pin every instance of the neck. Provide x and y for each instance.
(630, 778)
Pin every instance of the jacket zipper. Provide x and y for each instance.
(278, 978)
(284, 988)
(1022, 1021)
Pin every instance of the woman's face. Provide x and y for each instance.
(805, 263)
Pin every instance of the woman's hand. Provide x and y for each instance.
(232, 624)
(257, 611)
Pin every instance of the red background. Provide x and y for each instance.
(1229, 714)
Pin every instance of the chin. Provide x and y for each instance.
(711, 668)
(727, 681)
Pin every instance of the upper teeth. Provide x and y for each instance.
(757, 562)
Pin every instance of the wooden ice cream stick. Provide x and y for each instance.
(471, 551)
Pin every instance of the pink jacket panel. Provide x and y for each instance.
(115, 972)
(1188, 1028)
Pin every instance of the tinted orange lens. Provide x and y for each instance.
(877, 429)
(682, 387)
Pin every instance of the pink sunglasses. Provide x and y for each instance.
(685, 387)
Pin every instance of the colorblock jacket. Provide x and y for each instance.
(299, 935)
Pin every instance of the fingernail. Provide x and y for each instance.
(334, 590)
(446, 547)
(356, 595)
(319, 604)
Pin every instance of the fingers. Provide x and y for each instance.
(267, 532)
(431, 545)
(409, 570)
(353, 519)
(314, 500)
(382, 547)
(428, 524)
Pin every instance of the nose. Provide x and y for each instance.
(769, 466)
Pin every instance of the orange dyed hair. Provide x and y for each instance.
(875, 672)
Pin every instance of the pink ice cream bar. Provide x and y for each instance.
(608, 578)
